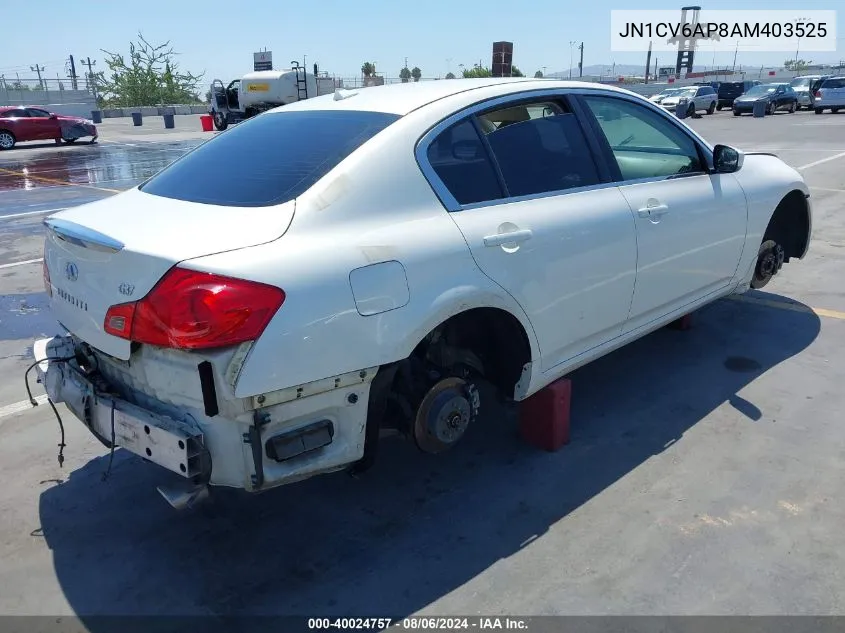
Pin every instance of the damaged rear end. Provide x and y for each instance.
(153, 345)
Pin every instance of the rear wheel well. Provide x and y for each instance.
(790, 225)
(489, 341)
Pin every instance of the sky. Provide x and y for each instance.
(214, 38)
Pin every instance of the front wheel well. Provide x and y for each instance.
(789, 225)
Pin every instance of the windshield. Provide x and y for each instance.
(269, 159)
(761, 90)
(800, 82)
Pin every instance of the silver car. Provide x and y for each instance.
(830, 95)
(696, 98)
(803, 87)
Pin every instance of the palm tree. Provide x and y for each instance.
(368, 69)
(405, 75)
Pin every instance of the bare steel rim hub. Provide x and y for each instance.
(445, 414)
(769, 261)
(6, 140)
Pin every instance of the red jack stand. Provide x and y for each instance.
(683, 324)
(544, 416)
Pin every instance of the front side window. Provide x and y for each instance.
(41, 114)
(643, 143)
(269, 159)
(539, 148)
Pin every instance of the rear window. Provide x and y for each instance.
(269, 159)
(838, 82)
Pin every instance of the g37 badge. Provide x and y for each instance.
(126, 289)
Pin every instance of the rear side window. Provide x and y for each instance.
(269, 159)
(462, 163)
(838, 82)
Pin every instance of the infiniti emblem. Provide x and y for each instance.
(71, 271)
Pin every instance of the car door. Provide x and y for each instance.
(691, 223)
(540, 217)
(21, 125)
(46, 127)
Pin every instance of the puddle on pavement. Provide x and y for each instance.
(112, 166)
(23, 316)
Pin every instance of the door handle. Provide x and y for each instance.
(508, 238)
(653, 211)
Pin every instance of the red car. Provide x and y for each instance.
(19, 124)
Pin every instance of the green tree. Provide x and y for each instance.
(149, 76)
(450, 75)
(796, 65)
(17, 85)
(476, 72)
(368, 69)
(405, 75)
(538, 74)
(516, 72)
(416, 73)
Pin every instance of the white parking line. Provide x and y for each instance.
(827, 189)
(27, 261)
(822, 160)
(23, 405)
(26, 213)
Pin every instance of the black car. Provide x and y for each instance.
(777, 96)
(730, 90)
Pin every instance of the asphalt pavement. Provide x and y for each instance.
(704, 473)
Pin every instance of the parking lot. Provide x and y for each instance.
(703, 475)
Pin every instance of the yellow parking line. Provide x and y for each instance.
(795, 307)
(53, 181)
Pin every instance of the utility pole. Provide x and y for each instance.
(648, 62)
(38, 69)
(73, 84)
(406, 62)
(571, 44)
(581, 63)
(91, 83)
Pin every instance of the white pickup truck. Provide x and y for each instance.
(251, 323)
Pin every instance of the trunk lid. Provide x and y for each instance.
(115, 250)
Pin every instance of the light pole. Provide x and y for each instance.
(798, 44)
(571, 44)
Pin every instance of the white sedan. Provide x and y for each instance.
(257, 312)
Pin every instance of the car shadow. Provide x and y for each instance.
(416, 527)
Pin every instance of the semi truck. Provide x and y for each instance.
(259, 91)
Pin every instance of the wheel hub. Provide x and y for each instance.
(445, 414)
(769, 262)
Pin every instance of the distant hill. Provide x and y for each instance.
(603, 69)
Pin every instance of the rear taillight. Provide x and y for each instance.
(194, 310)
(46, 272)
(817, 94)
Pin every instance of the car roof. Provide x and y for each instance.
(402, 98)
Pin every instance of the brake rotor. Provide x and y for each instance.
(444, 414)
(769, 261)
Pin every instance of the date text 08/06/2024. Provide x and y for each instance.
(419, 624)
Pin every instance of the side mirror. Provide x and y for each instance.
(465, 150)
(727, 159)
(54, 116)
